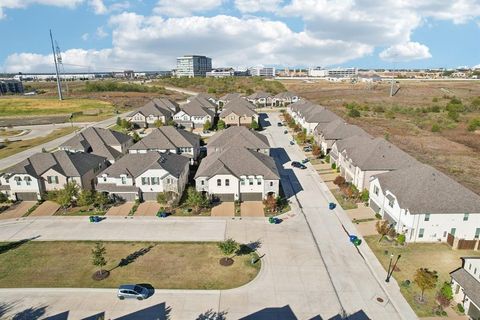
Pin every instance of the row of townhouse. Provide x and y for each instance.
(466, 286)
(262, 99)
(418, 200)
(238, 166)
(109, 162)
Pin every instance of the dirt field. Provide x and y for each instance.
(407, 121)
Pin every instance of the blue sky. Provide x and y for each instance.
(148, 35)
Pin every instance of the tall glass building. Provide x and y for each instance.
(193, 66)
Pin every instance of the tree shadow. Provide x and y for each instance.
(60, 316)
(31, 313)
(132, 257)
(14, 245)
(158, 312)
(286, 313)
(248, 248)
(212, 315)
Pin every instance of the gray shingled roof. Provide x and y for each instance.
(99, 140)
(238, 136)
(468, 283)
(230, 96)
(238, 161)
(167, 137)
(205, 96)
(379, 154)
(353, 142)
(67, 163)
(423, 189)
(300, 104)
(203, 101)
(195, 107)
(320, 114)
(238, 106)
(259, 95)
(285, 95)
(157, 107)
(134, 164)
(339, 129)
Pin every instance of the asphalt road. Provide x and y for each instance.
(310, 270)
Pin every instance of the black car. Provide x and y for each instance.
(279, 124)
(297, 164)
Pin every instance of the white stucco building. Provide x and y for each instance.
(466, 286)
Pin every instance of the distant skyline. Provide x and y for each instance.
(107, 35)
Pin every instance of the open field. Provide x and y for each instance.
(440, 258)
(162, 265)
(416, 119)
(21, 145)
(221, 86)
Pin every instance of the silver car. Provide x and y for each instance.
(132, 291)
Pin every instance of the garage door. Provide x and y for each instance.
(227, 197)
(124, 196)
(26, 196)
(251, 196)
(149, 196)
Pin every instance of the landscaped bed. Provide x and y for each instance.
(163, 265)
(434, 256)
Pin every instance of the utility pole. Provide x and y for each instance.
(59, 85)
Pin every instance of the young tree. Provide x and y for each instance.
(136, 137)
(207, 125)
(383, 228)
(119, 121)
(101, 200)
(339, 181)
(98, 258)
(158, 123)
(221, 125)
(425, 279)
(254, 125)
(316, 151)
(195, 199)
(86, 198)
(271, 203)
(228, 247)
(170, 123)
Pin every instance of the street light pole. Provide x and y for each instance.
(389, 266)
(393, 268)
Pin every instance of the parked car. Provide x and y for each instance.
(279, 124)
(298, 165)
(307, 149)
(132, 291)
(285, 132)
(292, 142)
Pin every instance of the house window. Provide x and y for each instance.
(420, 232)
(390, 203)
(375, 188)
(242, 181)
(19, 180)
(104, 179)
(465, 217)
(28, 181)
(477, 233)
(271, 183)
(124, 180)
(250, 181)
(145, 181)
(427, 217)
(155, 180)
(259, 182)
(452, 231)
(227, 182)
(219, 182)
(202, 182)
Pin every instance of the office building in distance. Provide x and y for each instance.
(193, 66)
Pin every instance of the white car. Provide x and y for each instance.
(132, 291)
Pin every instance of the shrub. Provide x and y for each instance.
(401, 239)
(327, 158)
(354, 113)
(473, 124)
(365, 195)
(339, 181)
(460, 308)
(435, 99)
(447, 291)
(334, 165)
(453, 115)
(390, 114)
(378, 215)
(379, 109)
(435, 127)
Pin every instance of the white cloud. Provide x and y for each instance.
(249, 6)
(17, 4)
(405, 52)
(98, 6)
(85, 36)
(101, 33)
(153, 43)
(181, 8)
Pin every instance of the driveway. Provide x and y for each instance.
(120, 210)
(224, 209)
(252, 209)
(48, 208)
(17, 210)
(147, 208)
(362, 212)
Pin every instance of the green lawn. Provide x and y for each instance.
(18, 146)
(435, 256)
(164, 266)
